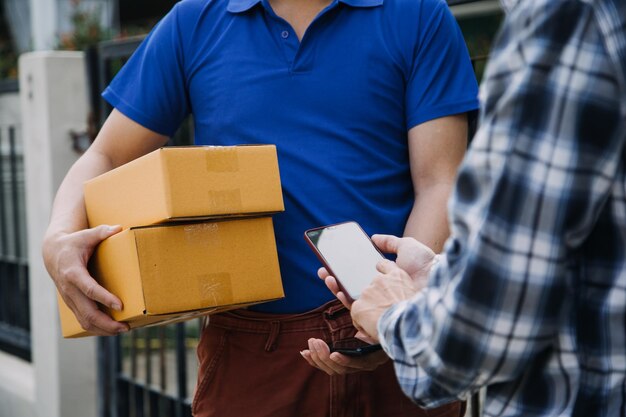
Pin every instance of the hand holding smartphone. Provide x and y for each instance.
(354, 347)
(349, 255)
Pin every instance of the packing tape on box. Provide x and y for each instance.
(225, 200)
(202, 234)
(215, 289)
(222, 159)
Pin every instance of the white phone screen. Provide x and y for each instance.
(349, 253)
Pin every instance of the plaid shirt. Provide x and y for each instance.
(529, 297)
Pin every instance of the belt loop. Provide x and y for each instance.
(270, 345)
(334, 311)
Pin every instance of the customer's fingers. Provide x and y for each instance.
(386, 243)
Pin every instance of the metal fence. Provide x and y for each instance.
(149, 372)
(14, 300)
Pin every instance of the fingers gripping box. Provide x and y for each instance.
(183, 270)
(170, 263)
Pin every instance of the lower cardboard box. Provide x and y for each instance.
(178, 271)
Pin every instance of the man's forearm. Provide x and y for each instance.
(120, 140)
(68, 211)
(428, 221)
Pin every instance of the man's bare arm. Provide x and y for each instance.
(436, 148)
(68, 243)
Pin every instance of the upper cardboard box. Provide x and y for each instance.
(182, 183)
(182, 270)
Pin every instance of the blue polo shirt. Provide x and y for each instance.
(337, 104)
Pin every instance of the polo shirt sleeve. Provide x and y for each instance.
(151, 88)
(441, 80)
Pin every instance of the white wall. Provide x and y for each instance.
(17, 387)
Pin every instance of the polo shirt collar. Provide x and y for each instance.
(239, 6)
(362, 3)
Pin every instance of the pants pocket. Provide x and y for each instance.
(210, 350)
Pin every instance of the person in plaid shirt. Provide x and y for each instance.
(529, 296)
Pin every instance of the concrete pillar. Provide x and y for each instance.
(43, 23)
(53, 102)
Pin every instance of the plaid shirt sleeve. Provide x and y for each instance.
(537, 175)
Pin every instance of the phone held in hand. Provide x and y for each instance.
(348, 254)
(354, 347)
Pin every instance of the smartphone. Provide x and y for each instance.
(354, 347)
(347, 253)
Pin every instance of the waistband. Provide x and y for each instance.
(332, 314)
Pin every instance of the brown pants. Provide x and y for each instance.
(250, 366)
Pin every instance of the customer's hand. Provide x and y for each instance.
(66, 256)
(391, 286)
(413, 257)
(319, 355)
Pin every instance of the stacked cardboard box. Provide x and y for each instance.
(198, 236)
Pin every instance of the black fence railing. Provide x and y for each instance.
(14, 293)
(103, 63)
(149, 372)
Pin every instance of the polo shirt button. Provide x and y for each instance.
(284, 34)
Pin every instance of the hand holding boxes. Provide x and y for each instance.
(197, 234)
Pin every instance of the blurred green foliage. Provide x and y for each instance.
(479, 33)
(8, 56)
(8, 60)
(87, 29)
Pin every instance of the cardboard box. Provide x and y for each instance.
(184, 183)
(183, 270)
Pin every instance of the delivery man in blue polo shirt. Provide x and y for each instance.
(365, 101)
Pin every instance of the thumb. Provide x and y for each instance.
(386, 243)
(365, 337)
(97, 234)
(385, 266)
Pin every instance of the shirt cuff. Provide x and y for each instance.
(415, 382)
(387, 330)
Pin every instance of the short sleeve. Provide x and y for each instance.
(151, 88)
(441, 81)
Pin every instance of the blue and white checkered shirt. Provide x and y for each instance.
(530, 295)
